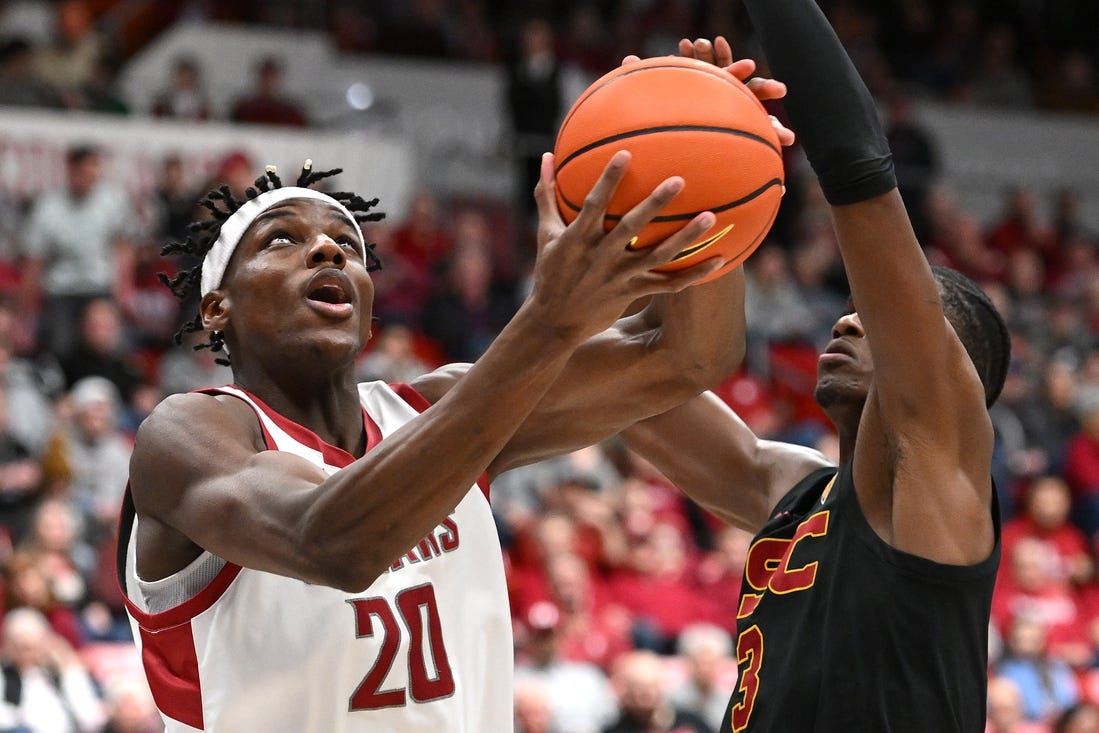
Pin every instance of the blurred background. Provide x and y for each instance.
(116, 115)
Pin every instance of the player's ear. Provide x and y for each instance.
(214, 309)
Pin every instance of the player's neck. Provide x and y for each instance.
(328, 406)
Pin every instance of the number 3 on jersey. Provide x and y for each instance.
(749, 655)
(419, 613)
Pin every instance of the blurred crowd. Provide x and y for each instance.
(623, 592)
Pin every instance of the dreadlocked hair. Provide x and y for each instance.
(221, 204)
(979, 326)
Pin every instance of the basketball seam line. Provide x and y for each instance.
(590, 92)
(746, 248)
(689, 215)
(667, 128)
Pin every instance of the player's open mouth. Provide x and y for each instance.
(330, 293)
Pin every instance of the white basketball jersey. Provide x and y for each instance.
(426, 648)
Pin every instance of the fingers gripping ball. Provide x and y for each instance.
(677, 117)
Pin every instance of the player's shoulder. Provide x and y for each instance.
(181, 418)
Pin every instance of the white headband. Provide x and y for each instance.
(217, 259)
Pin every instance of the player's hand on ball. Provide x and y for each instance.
(592, 273)
(720, 53)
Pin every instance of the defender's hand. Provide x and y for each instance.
(720, 53)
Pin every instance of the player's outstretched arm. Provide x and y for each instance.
(921, 463)
(702, 446)
(215, 485)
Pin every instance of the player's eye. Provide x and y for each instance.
(280, 238)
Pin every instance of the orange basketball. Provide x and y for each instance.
(677, 117)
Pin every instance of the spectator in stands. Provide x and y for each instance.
(1047, 683)
(1082, 463)
(27, 579)
(353, 27)
(77, 250)
(400, 296)
(20, 85)
(915, 155)
(593, 627)
(392, 357)
(719, 572)
(584, 42)
(773, 304)
(184, 98)
(1066, 220)
(1045, 517)
(1005, 708)
(1049, 417)
(1025, 276)
(579, 695)
(175, 201)
(639, 682)
(1080, 718)
(469, 309)
(535, 99)
(97, 453)
(267, 103)
(534, 546)
(102, 351)
(130, 706)
(469, 33)
(1019, 225)
(532, 707)
(1073, 88)
(234, 170)
(999, 80)
(188, 368)
(955, 237)
(414, 29)
(655, 586)
(101, 93)
(20, 481)
(1028, 586)
(69, 62)
(68, 561)
(423, 240)
(46, 687)
(813, 265)
(583, 495)
(711, 673)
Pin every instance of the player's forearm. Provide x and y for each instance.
(703, 328)
(829, 106)
(384, 503)
(837, 123)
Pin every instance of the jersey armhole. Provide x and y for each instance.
(409, 394)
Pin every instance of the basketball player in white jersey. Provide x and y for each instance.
(303, 553)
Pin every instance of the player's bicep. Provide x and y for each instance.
(707, 451)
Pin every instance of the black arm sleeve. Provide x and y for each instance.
(830, 108)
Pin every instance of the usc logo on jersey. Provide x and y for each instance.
(768, 567)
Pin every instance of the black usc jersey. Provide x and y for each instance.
(838, 632)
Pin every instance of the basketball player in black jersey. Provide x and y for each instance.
(866, 591)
